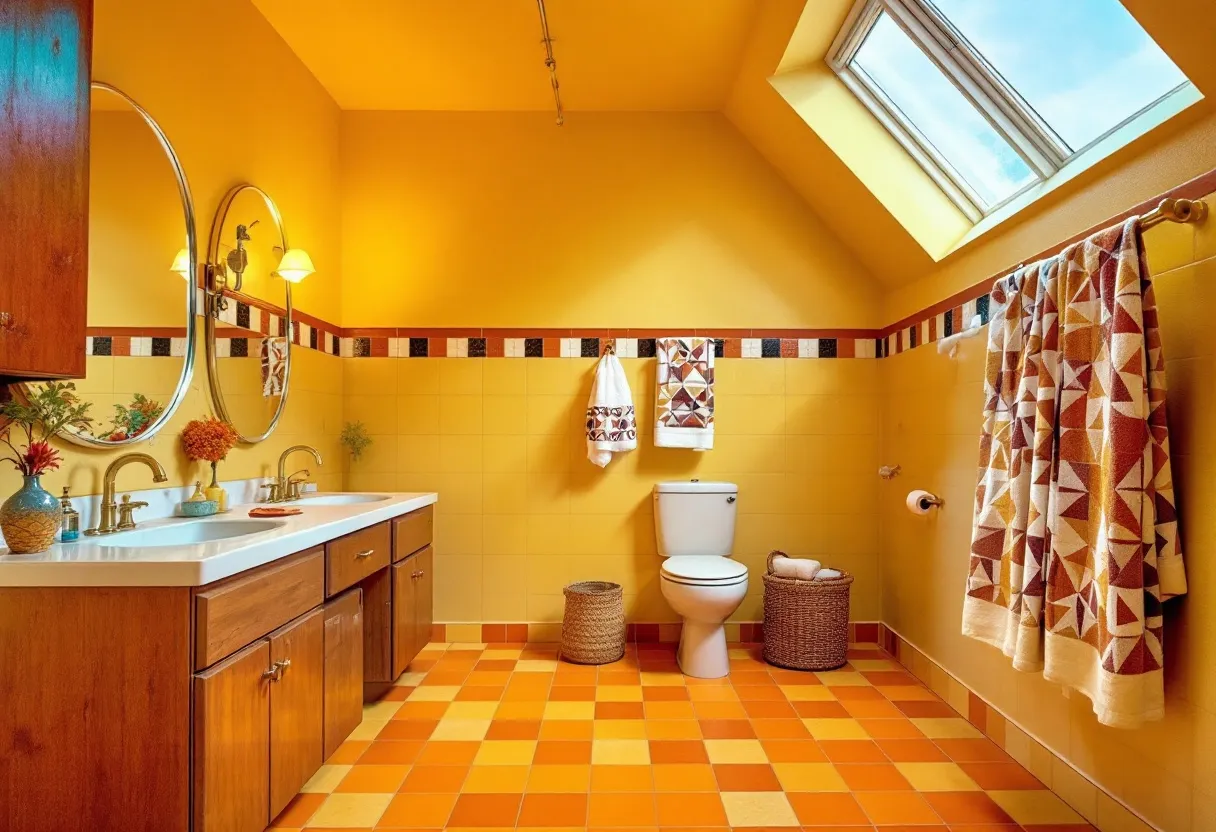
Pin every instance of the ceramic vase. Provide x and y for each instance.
(30, 518)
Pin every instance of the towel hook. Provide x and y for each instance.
(609, 348)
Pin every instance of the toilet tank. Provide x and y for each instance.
(695, 518)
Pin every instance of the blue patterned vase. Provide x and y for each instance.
(30, 518)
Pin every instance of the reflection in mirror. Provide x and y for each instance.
(142, 255)
(250, 270)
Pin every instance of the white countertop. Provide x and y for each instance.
(85, 563)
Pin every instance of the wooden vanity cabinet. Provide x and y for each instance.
(297, 720)
(44, 199)
(343, 705)
(413, 607)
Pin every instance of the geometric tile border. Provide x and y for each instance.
(1087, 798)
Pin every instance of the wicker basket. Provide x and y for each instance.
(806, 623)
(593, 627)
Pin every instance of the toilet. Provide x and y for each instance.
(695, 528)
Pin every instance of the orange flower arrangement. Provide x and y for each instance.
(208, 439)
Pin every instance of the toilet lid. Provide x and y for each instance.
(708, 569)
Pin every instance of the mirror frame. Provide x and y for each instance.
(214, 297)
(75, 435)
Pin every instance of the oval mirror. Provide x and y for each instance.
(142, 303)
(249, 310)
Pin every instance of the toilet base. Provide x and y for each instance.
(703, 653)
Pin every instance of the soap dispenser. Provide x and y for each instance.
(70, 528)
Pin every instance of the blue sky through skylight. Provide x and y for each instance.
(1084, 65)
(943, 115)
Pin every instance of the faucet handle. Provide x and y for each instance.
(276, 491)
(125, 511)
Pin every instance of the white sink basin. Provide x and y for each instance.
(339, 499)
(186, 534)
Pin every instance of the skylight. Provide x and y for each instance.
(994, 97)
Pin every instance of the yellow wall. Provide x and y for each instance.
(238, 106)
(616, 219)
(522, 512)
(931, 427)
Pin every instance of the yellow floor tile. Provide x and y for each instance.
(843, 678)
(735, 751)
(937, 777)
(570, 710)
(907, 693)
(619, 729)
(620, 752)
(471, 710)
(836, 729)
(946, 728)
(810, 777)
(758, 809)
(463, 730)
(536, 665)
(660, 680)
(325, 780)
(1037, 806)
(368, 729)
(808, 693)
(505, 753)
(381, 710)
(350, 810)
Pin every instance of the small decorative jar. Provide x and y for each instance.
(30, 518)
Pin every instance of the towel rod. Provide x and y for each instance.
(1175, 210)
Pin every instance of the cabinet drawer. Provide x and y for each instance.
(412, 531)
(350, 559)
(236, 611)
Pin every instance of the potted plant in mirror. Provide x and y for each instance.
(30, 518)
(209, 440)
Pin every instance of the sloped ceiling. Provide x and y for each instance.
(487, 55)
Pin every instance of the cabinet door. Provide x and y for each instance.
(405, 615)
(424, 597)
(378, 631)
(343, 668)
(232, 743)
(45, 51)
(296, 708)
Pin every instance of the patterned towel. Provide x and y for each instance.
(684, 408)
(274, 366)
(1075, 540)
(612, 426)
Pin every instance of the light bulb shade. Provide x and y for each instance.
(181, 264)
(295, 265)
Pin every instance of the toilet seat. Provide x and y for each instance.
(703, 570)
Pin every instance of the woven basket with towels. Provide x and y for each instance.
(806, 622)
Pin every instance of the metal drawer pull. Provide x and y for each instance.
(366, 554)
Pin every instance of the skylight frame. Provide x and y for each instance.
(1013, 119)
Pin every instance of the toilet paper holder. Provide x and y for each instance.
(931, 500)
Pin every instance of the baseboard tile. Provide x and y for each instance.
(737, 632)
(1088, 799)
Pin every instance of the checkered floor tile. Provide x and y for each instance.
(500, 737)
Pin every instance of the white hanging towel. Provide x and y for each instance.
(684, 406)
(612, 426)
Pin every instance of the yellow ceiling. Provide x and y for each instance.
(486, 54)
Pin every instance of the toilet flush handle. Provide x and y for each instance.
(731, 498)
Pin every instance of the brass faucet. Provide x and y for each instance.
(111, 521)
(284, 488)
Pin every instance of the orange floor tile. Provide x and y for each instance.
(510, 738)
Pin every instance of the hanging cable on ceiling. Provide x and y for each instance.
(550, 62)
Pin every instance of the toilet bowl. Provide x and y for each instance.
(695, 528)
(704, 591)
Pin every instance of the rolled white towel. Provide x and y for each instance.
(801, 569)
(827, 574)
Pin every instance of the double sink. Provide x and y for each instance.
(191, 532)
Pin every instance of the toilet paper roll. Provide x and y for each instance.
(919, 502)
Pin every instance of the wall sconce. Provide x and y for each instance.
(181, 264)
(295, 265)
